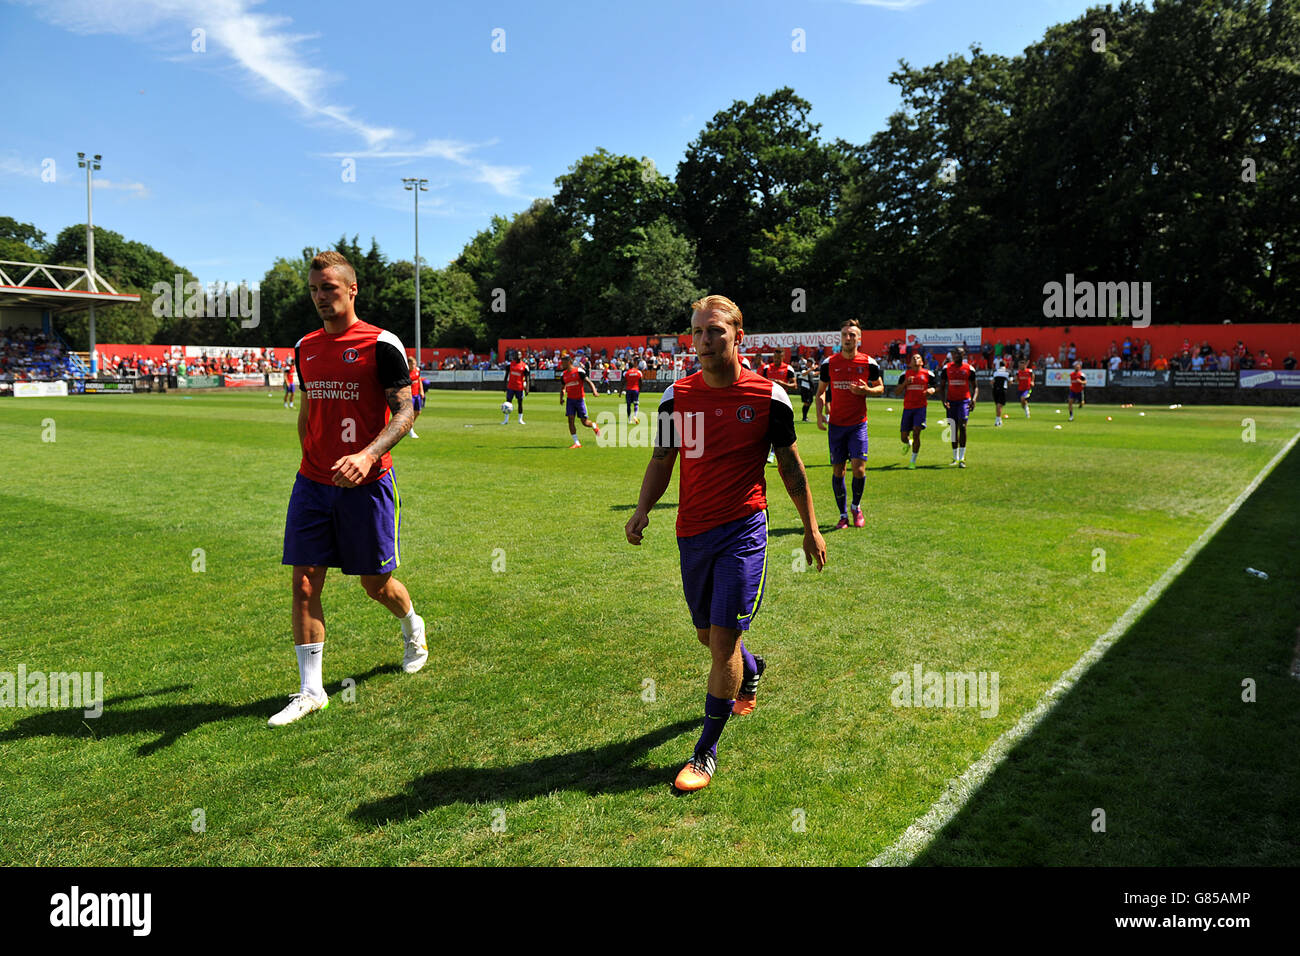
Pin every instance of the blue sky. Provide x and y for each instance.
(226, 157)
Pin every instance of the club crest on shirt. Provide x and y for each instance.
(349, 355)
(745, 413)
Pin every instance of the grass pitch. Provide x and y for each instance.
(565, 685)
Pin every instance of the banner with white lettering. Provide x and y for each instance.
(1140, 378)
(790, 340)
(937, 338)
(1215, 379)
(1270, 378)
(243, 380)
(1060, 377)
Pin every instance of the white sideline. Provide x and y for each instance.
(959, 791)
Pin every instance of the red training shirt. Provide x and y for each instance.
(573, 382)
(343, 379)
(917, 381)
(959, 380)
(841, 372)
(723, 435)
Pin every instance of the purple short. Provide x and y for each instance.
(513, 393)
(959, 410)
(417, 402)
(576, 406)
(1077, 397)
(354, 529)
(847, 441)
(724, 570)
(1025, 394)
(913, 418)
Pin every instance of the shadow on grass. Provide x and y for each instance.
(1157, 735)
(612, 768)
(171, 721)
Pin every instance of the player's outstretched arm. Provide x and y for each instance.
(795, 478)
(657, 475)
(351, 470)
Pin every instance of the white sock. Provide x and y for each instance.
(961, 453)
(914, 454)
(408, 621)
(309, 668)
(997, 420)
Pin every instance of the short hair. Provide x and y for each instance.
(850, 322)
(329, 259)
(720, 303)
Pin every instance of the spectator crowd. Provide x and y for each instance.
(27, 355)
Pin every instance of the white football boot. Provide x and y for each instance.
(417, 651)
(300, 705)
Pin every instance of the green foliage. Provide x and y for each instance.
(756, 184)
(131, 267)
(21, 242)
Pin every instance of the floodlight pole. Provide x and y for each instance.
(417, 186)
(92, 286)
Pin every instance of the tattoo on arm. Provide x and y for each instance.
(403, 416)
(792, 471)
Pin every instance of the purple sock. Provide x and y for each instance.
(837, 485)
(858, 485)
(750, 665)
(716, 712)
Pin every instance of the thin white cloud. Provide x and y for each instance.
(890, 4)
(502, 179)
(138, 190)
(449, 149)
(272, 57)
(11, 165)
(16, 166)
(256, 41)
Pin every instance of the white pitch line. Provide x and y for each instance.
(960, 790)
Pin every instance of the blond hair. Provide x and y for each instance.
(720, 303)
(330, 259)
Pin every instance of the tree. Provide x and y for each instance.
(131, 267)
(629, 255)
(755, 182)
(21, 242)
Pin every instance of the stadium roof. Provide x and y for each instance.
(29, 291)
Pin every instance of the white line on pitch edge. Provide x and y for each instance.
(959, 791)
